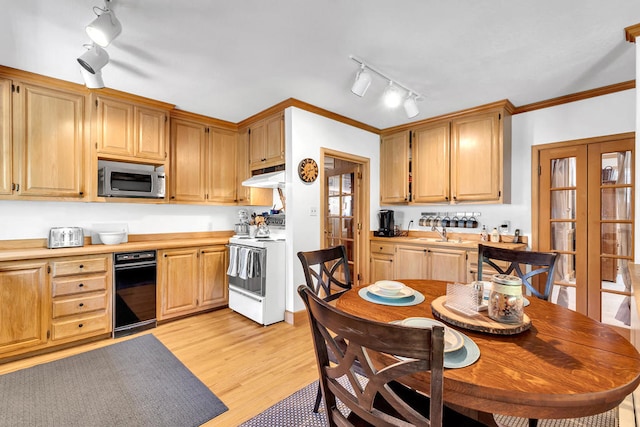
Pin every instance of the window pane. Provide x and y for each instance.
(563, 236)
(346, 184)
(615, 309)
(616, 203)
(333, 227)
(334, 205)
(564, 296)
(347, 228)
(563, 172)
(616, 239)
(566, 269)
(563, 204)
(334, 185)
(616, 168)
(346, 206)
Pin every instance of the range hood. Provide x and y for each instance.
(266, 180)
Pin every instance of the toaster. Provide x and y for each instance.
(65, 237)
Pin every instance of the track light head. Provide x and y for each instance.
(92, 81)
(104, 28)
(393, 96)
(94, 59)
(411, 106)
(362, 82)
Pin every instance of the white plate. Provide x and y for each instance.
(453, 340)
(404, 292)
(389, 287)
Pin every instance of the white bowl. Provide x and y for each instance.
(112, 238)
(389, 287)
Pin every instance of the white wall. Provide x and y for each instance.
(604, 115)
(305, 134)
(32, 220)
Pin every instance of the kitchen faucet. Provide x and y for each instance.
(442, 234)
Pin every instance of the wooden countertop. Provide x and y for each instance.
(15, 250)
(458, 240)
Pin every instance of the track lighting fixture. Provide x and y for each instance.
(394, 95)
(105, 27)
(410, 106)
(363, 80)
(92, 81)
(94, 59)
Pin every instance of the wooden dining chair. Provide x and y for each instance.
(326, 271)
(540, 262)
(387, 353)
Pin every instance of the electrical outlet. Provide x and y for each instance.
(313, 211)
(505, 225)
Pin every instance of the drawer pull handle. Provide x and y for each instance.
(81, 266)
(81, 304)
(80, 325)
(81, 285)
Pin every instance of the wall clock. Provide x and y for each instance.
(308, 170)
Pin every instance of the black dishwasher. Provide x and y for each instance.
(135, 292)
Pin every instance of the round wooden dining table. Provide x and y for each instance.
(566, 365)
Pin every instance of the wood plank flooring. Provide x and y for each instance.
(248, 366)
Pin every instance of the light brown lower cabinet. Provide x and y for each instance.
(47, 302)
(191, 280)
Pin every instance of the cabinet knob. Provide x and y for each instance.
(81, 266)
(81, 193)
(81, 285)
(81, 304)
(80, 325)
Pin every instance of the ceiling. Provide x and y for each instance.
(233, 59)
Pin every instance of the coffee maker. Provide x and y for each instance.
(387, 225)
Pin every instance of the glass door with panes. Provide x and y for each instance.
(339, 222)
(586, 214)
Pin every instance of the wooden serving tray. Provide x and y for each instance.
(480, 322)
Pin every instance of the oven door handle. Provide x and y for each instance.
(135, 265)
(244, 294)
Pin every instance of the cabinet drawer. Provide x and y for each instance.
(79, 305)
(78, 285)
(383, 248)
(80, 266)
(97, 323)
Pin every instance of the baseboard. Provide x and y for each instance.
(296, 317)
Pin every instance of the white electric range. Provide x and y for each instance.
(257, 277)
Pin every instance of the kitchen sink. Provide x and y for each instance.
(437, 240)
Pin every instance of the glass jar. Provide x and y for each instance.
(506, 304)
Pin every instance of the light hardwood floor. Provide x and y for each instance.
(248, 366)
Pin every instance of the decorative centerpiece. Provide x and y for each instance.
(506, 304)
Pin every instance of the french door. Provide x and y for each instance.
(344, 209)
(585, 212)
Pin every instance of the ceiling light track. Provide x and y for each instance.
(395, 94)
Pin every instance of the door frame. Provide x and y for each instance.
(361, 257)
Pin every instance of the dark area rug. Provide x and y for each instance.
(138, 382)
(297, 411)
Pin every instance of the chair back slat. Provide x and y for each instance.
(540, 262)
(386, 353)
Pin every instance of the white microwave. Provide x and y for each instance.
(130, 181)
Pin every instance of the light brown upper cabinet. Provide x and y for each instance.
(42, 139)
(203, 160)
(461, 158)
(128, 129)
(249, 195)
(266, 142)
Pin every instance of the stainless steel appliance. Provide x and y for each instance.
(135, 292)
(130, 180)
(257, 277)
(386, 223)
(65, 237)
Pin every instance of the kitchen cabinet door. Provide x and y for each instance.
(410, 262)
(447, 264)
(214, 289)
(222, 166)
(430, 161)
(114, 126)
(476, 158)
(178, 283)
(266, 142)
(6, 145)
(381, 267)
(48, 141)
(248, 195)
(188, 161)
(394, 168)
(151, 132)
(24, 299)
